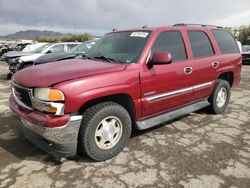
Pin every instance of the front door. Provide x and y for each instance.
(167, 87)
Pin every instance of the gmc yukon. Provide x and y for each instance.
(131, 79)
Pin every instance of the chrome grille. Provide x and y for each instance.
(22, 96)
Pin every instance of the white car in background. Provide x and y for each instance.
(28, 60)
(32, 47)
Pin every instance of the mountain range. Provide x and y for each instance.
(30, 34)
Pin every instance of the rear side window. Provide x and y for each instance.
(172, 42)
(225, 41)
(200, 43)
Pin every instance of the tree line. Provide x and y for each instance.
(65, 38)
(242, 34)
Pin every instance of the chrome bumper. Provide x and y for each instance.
(57, 141)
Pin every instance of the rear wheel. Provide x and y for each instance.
(105, 131)
(220, 97)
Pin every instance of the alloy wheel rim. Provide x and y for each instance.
(108, 132)
(221, 97)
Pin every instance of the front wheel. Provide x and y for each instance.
(105, 131)
(220, 97)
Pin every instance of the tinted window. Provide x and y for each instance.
(201, 45)
(225, 41)
(171, 42)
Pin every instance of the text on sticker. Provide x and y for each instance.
(139, 34)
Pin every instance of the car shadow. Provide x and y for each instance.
(136, 132)
(13, 141)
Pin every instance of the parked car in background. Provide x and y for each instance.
(135, 78)
(12, 55)
(32, 47)
(76, 52)
(245, 54)
(28, 60)
(5, 48)
(20, 46)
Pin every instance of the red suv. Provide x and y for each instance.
(135, 78)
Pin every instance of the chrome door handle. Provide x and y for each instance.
(188, 70)
(215, 64)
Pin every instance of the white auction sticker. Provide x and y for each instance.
(139, 34)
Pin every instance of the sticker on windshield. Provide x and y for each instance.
(139, 34)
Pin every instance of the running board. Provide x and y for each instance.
(157, 120)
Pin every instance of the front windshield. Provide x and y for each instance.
(124, 47)
(82, 48)
(40, 49)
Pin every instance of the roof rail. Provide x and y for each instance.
(201, 25)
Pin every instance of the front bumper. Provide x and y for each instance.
(59, 141)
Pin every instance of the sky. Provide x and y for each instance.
(101, 16)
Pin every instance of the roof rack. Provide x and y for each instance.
(201, 25)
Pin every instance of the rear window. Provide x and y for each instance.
(225, 41)
(201, 45)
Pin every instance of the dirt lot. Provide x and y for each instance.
(198, 150)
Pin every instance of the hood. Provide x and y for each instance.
(32, 57)
(54, 57)
(12, 54)
(49, 74)
(245, 53)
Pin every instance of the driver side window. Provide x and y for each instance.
(172, 42)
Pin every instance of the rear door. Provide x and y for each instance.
(167, 87)
(205, 63)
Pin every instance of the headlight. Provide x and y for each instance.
(48, 94)
(48, 100)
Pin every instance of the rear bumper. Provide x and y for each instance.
(58, 141)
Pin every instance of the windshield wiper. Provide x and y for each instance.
(104, 58)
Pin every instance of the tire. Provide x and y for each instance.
(93, 139)
(9, 76)
(219, 104)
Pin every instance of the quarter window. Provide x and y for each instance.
(172, 42)
(225, 41)
(200, 43)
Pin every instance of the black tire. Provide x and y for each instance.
(9, 76)
(214, 107)
(92, 118)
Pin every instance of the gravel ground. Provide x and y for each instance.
(198, 150)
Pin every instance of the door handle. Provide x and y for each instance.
(188, 70)
(215, 64)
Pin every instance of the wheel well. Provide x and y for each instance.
(228, 76)
(123, 99)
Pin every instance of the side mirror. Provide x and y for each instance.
(161, 58)
(49, 51)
